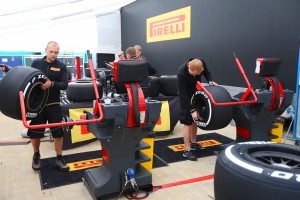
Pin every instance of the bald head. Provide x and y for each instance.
(52, 43)
(195, 67)
(121, 55)
(52, 50)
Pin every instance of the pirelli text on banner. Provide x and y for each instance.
(169, 26)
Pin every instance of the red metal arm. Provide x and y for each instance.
(78, 68)
(249, 90)
(97, 108)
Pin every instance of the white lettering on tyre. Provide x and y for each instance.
(26, 88)
(285, 175)
(202, 93)
(31, 115)
(40, 76)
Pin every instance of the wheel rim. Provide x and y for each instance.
(202, 109)
(277, 158)
(36, 98)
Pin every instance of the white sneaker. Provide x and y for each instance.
(24, 133)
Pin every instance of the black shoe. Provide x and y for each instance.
(62, 165)
(189, 155)
(196, 146)
(36, 162)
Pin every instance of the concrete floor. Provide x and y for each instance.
(19, 181)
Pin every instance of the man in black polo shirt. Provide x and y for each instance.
(57, 79)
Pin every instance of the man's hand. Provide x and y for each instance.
(195, 115)
(213, 83)
(46, 85)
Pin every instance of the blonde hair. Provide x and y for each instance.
(137, 47)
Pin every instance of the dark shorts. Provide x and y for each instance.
(50, 114)
(185, 117)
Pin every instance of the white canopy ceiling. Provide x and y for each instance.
(23, 21)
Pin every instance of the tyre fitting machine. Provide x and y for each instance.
(254, 122)
(120, 133)
(255, 111)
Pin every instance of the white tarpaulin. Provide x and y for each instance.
(29, 25)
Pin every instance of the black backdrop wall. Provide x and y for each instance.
(252, 29)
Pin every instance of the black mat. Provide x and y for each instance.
(51, 176)
(212, 141)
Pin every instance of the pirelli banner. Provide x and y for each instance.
(79, 134)
(169, 26)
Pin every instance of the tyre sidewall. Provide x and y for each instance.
(215, 117)
(236, 168)
(24, 79)
(83, 91)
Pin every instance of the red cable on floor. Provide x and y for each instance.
(192, 180)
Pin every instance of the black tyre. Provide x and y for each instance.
(258, 170)
(83, 91)
(212, 117)
(154, 86)
(24, 79)
(168, 85)
(97, 70)
(87, 72)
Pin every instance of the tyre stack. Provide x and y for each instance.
(154, 87)
(168, 85)
(83, 91)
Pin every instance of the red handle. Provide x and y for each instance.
(97, 108)
(78, 68)
(249, 90)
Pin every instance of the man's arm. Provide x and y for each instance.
(207, 75)
(151, 69)
(63, 83)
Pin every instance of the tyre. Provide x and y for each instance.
(97, 70)
(87, 72)
(212, 117)
(83, 91)
(168, 85)
(154, 86)
(258, 170)
(24, 79)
